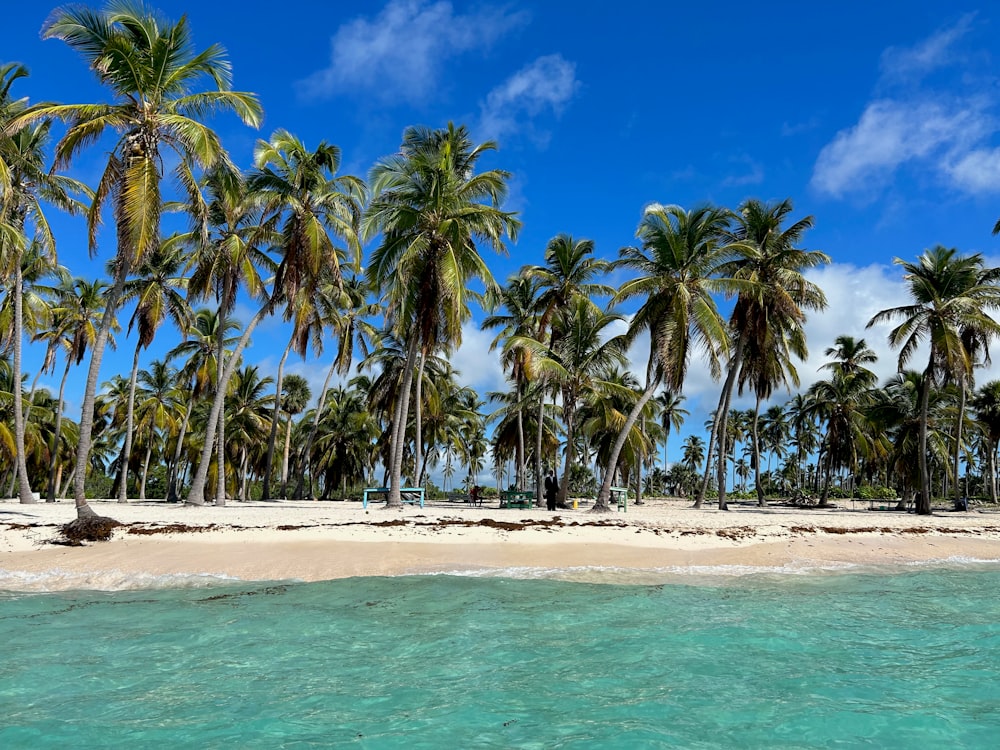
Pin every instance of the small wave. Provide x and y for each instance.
(106, 580)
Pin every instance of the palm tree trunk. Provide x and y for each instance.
(418, 440)
(178, 452)
(520, 441)
(718, 430)
(569, 418)
(50, 495)
(958, 439)
(83, 510)
(275, 415)
(220, 440)
(127, 448)
(145, 472)
(284, 457)
(399, 427)
(992, 464)
(24, 485)
(244, 475)
(196, 495)
(538, 444)
(756, 454)
(604, 494)
(924, 500)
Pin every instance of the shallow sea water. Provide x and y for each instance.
(865, 658)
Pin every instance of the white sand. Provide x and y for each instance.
(319, 541)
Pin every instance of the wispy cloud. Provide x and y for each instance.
(863, 158)
(943, 132)
(938, 50)
(751, 174)
(544, 86)
(400, 53)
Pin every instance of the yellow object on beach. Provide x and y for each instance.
(574, 503)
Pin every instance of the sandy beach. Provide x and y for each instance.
(311, 541)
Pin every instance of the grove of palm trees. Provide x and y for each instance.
(384, 271)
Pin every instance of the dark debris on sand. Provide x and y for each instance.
(89, 529)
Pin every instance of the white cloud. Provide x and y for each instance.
(934, 52)
(545, 85)
(977, 171)
(942, 130)
(400, 53)
(891, 133)
(477, 366)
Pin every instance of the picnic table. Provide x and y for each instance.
(517, 499)
(409, 495)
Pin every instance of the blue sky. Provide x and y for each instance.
(882, 120)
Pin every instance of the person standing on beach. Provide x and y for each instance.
(551, 490)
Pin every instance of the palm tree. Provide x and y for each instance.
(569, 274)
(773, 298)
(672, 416)
(677, 264)
(580, 363)
(76, 314)
(151, 67)
(850, 355)
(155, 414)
(986, 404)
(156, 290)
(431, 209)
(315, 208)
(950, 294)
(25, 235)
(248, 418)
(227, 234)
(295, 395)
(520, 300)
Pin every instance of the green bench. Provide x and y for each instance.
(517, 499)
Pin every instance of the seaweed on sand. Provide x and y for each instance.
(89, 529)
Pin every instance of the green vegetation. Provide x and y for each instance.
(287, 235)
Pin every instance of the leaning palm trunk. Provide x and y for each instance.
(145, 473)
(601, 506)
(196, 495)
(284, 457)
(220, 442)
(395, 500)
(275, 418)
(719, 430)
(24, 485)
(129, 415)
(83, 510)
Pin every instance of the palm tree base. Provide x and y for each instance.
(600, 509)
(89, 528)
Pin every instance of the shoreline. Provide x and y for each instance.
(314, 541)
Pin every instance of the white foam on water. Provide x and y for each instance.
(58, 579)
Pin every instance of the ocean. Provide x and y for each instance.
(906, 658)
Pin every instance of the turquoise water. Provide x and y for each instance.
(908, 659)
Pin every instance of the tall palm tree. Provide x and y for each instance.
(672, 416)
(157, 290)
(25, 236)
(228, 235)
(986, 404)
(773, 299)
(295, 395)
(206, 336)
(76, 314)
(156, 413)
(950, 293)
(431, 209)
(570, 272)
(248, 417)
(520, 301)
(150, 66)
(850, 355)
(316, 209)
(678, 266)
(580, 363)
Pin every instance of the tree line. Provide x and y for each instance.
(289, 233)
